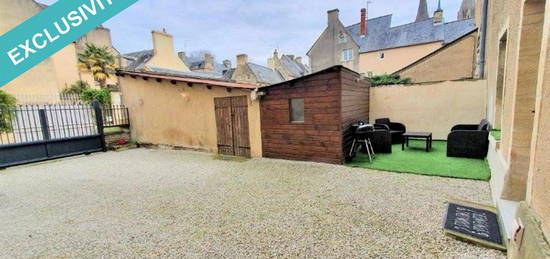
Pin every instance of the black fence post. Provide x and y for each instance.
(99, 122)
(44, 124)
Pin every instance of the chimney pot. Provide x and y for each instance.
(363, 25)
(242, 60)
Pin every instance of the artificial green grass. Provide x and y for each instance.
(496, 134)
(416, 160)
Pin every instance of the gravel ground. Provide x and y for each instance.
(150, 203)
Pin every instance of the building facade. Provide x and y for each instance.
(288, 66)
(373, 46)
(517, 69)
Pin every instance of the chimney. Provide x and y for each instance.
(363, 23)
(242, 60)
(182, 56)
(299, 60)
(164, 54)
(227, 64)
(208, 62)
(333, 16)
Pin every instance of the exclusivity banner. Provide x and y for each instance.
(50, 31)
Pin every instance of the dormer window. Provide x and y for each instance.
(342, 38)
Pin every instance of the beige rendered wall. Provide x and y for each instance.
(164, 55)
(434, 107)
(435, 67)
(182, 116)
(538, 194)
(394, 59)
(40, 80)
(66, 69)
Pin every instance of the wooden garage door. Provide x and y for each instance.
(232, 126)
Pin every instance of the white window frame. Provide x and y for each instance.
(347, 55)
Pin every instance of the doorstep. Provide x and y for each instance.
(507, 211)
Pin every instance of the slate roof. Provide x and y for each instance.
(265, 74)
(137, 61)
(158, 70)
(194, 62)
(294, 68)
(381, 36)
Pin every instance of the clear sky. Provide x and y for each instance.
(255, 27)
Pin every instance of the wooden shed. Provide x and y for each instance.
(308, 118)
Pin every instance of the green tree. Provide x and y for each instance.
(77, 88)
(7, 101)
(386, 79)
(103, 96)
(99, 61)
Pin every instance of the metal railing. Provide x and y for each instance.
(115, 116)
(32, 123)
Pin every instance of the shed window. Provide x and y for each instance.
(347, 54)
(296, 110)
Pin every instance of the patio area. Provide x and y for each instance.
(147, 203)
(416, 160)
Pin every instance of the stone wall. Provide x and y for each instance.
(453, 62)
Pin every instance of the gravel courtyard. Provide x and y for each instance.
(167, 203)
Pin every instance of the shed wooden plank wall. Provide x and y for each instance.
(319, 138)
(355, 104)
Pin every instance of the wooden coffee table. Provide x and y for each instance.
(427, 136)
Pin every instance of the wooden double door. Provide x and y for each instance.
(232, 126)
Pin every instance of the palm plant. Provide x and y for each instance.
(99, 61)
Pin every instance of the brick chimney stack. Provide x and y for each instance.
(363, 32)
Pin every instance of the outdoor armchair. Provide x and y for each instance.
(469, 141)
(396, 129)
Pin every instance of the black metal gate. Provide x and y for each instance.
(33, 133)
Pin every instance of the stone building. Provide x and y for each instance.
(248, 72)
(44, 82)
(289, 66)
(517, 69)
(373, 46)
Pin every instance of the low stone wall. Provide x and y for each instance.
(432, 107)
(112, 136)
